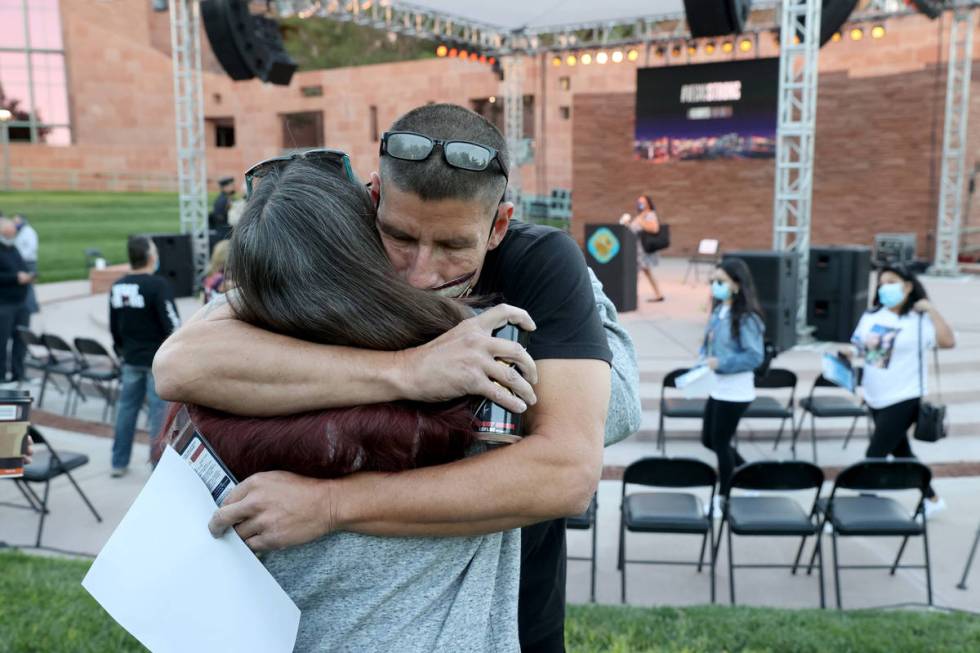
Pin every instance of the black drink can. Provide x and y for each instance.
(494, 423)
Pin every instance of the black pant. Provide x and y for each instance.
(891, 435)
(720, 423)
(18, 350)
(8, 317)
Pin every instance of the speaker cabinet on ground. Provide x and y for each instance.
(610, 250)
(176, 262)
(775, 275)
(837, 293)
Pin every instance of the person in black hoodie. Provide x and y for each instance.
(142, 313)
(14, 281)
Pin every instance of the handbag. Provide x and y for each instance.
(654, 242)
(930, 426)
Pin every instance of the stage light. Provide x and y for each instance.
(442, 51)
(483, 58)
(709, 47)
(727, 47)
(453, 52)
(571, 60)
(661, 51)
(556, 61)
(586, 59)
(675, 51)
(692, 49)
(836, 37)
(463, 54)
(491, 61)
(878, 31)
(633, 54)
(474, 57)
(601, 58)
(857, 34)
(492, 99)
(617, 56)
(745, 45)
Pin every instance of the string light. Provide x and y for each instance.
(556, 61)
(745, 45)
(601, 58)
(675, 51)
(586, 59)
(709, 47)
(692, 49)
(836, 37)
(617, 56)
(442, 51)
(878, 31)
(633, 54)
(571, 60)
(453, 52)
(727, 47)
(857, 34)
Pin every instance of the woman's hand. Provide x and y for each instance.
(923, 306)
(712, 363)
(29, 452)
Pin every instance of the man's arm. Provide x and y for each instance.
(625, 411)
(218, 361)
(551, 473)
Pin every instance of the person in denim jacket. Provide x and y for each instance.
(733, 348)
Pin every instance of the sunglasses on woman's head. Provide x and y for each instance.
(328, 159)
(409, 146)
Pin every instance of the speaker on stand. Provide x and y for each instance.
(837, 292)
(775, 275)
(176, 262)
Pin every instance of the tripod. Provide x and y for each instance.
(969, 560)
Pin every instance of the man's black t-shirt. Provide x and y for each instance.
(142, 313)
(542, 270)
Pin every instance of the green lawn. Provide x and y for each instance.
(68, 223)
(44, 609)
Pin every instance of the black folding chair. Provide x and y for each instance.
(676, 407)
(667, 512)
(587, 521)
(49, 464)
(64, 362)
(870, 515)
(768, 407)
(829, 405)
(771, 516)
(36, 357)
(100, 368)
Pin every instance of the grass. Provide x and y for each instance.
(68, 223)
(43, 608)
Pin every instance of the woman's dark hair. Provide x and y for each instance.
(746, 301)
(649, 201)
(918, 290)
(308, 262)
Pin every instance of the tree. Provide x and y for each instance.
(20, 132)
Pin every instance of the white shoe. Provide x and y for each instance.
(933, 508)
(119, 472)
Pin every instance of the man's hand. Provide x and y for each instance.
(712, 363)
(29, 452)
(275, 510)
(463, 361)
(24, 278)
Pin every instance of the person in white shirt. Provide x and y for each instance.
(733, 348)
(26, 242)
(894, 338)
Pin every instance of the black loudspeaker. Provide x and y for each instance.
(716, 17)
(776, 275)
(837, 292)
(176, 262)
(247, 46)
(833, 16)
(610, 250)
(931, 8)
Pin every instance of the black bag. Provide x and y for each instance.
(930, 426)
(655, 242)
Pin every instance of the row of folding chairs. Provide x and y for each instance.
(817, 404)
(86, 361)
(747, 512)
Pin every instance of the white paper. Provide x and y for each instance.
(696, 382)
(174, 587)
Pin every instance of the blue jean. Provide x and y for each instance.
(137, 384)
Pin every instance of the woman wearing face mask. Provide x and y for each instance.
(889, 337)
(646, 220)
(733, 348)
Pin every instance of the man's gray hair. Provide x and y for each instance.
(434, 179)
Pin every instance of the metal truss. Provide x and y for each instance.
(795, 140)
(513, 92)
(192, 176)
(953, 175)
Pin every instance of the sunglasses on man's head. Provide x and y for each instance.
(333, 160)
(409, 146)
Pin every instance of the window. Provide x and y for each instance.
(33, 86)
(302, 130)
(311, 91)
(375, 137)
(565, 83)
(492, 108)
(220, 131)
(565, 112)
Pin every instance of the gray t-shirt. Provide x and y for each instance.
(364, 593)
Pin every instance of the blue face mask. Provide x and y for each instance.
(640, 207)
(891, 294)
(720, 291)
(156, 266)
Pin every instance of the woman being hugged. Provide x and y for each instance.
(894, 338)
(733, 348)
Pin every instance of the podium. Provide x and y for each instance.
(610, 250)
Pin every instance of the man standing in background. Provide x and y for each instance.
(26, 243)
(142, 314)
(14, 281)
